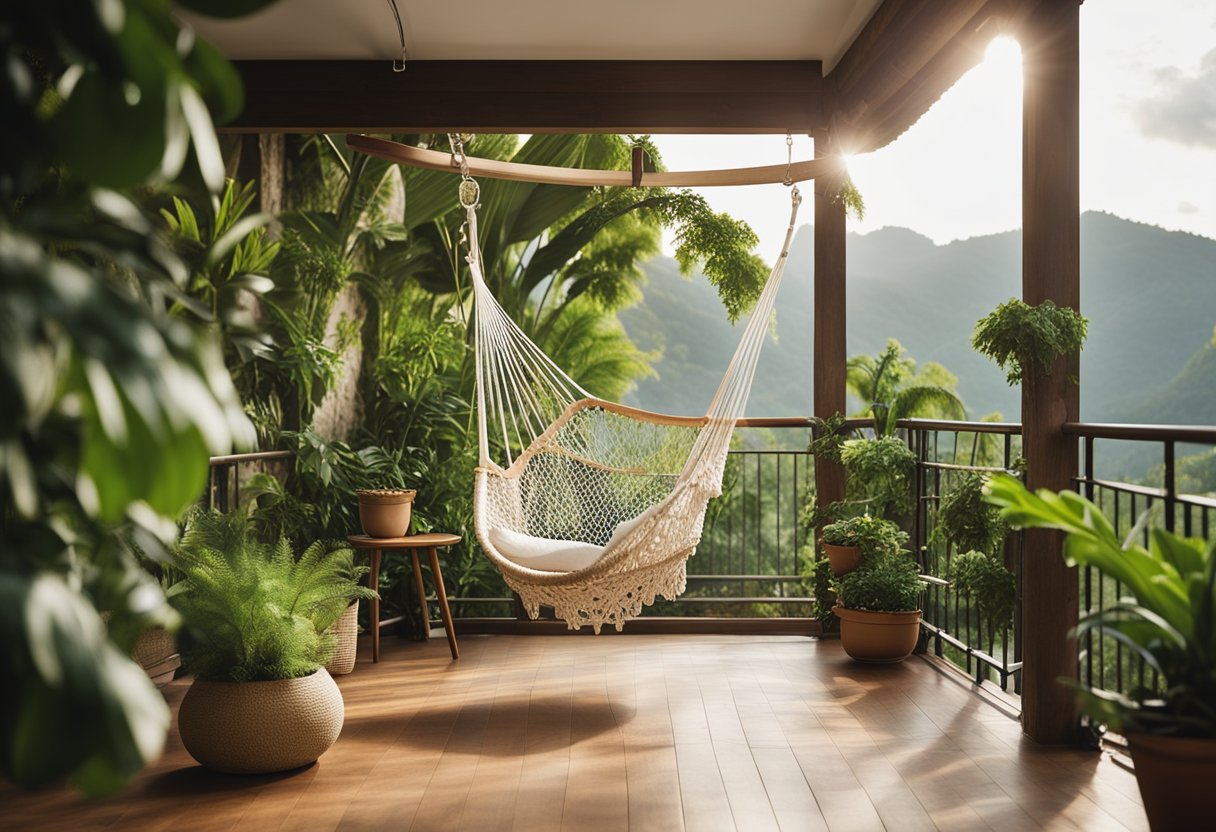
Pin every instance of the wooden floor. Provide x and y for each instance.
(636, 732)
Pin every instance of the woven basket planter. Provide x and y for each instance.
(346, 629)
(156, 652)
(261, 727)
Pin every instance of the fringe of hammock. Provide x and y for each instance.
(607, 599)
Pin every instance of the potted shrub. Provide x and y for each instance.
(1021, 338)
(847, 543)
(385, 512)
(879, 609)
(257, 616)
(1168, 619)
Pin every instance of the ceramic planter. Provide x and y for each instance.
(879, 637)
(844, 559)
(385, 512)
(261, 727)
(1175, 774)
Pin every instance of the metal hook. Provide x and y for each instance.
(398, 63)
(789, 159)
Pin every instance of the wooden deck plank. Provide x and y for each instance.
(663, 732)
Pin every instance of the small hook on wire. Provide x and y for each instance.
(398, 63)
(789, 159)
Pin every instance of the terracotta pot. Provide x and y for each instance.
(1175, 774)
(346, 629)
(844, 559)
(878, 636)
(385, 513)
(261, 727)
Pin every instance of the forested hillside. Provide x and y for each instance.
(1150, 295)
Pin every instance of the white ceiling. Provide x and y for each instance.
(722, 30)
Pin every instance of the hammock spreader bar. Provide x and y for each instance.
(518, 172)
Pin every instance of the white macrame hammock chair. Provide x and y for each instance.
(601, 509)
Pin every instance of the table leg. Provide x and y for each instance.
(426, 615)
(443, 603)
(373, 581)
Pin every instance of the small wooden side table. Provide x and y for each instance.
(411, 543)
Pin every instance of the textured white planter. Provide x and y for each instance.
(346, 630)
(261, 727)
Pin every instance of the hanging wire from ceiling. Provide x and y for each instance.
(398, 63)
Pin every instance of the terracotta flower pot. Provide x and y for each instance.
(1175, 774)
(844, 559)
(878, 636)
(261, 727)
(385, 512)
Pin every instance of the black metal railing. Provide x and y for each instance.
(954, 628)
(750, 560)
(224, 480)
(1160, 501)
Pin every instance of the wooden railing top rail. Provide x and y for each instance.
(1201, 434)
(1014, 428)
(238, 459)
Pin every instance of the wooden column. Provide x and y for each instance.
(1050, 271)
(830, 350)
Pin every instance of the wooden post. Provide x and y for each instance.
(830, 350)
(1050, 271)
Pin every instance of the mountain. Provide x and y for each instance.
(1150, 296)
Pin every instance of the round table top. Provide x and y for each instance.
(410, 541)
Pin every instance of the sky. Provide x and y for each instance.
(1148, 138)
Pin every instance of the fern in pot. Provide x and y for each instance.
(258, 621)
(1168, 620)
(849, 542)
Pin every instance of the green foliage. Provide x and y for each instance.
(874, 536)
(112, 402)
(880, 475)
(229, 256)
(255, 612)
(1168, 618)
(894, 390)
(966, 519)
(979, 576)
(828, 437)
(888, 583)
(1018, 336)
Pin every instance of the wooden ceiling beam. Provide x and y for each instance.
(906, 57)
(531, 97)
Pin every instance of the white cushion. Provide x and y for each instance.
(627, 526)
(542, 553)
(548, 555)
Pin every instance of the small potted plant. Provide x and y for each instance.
(257, 620)
(879, 609)
(385, 512)
(1168, 619)
(847, 543)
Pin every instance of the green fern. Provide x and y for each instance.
(254, 612)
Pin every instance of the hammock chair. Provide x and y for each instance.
(596, 506)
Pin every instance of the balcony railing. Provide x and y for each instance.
(1105, 662)
(751, 562)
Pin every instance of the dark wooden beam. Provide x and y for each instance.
(906, 57)
(1051, 269)
(831, 353)
(531, 97)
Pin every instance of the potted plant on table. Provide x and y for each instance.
(847, 543)
(258, 617)
(1168, 619)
